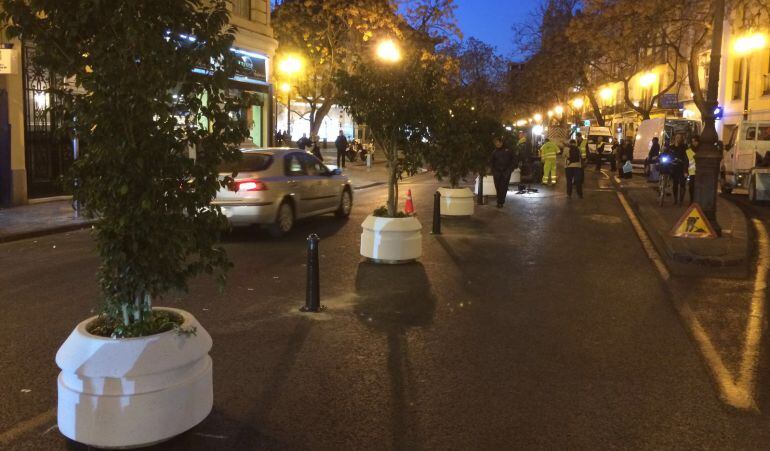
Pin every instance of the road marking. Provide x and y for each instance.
(25, 427)
(738, 393)
(649, 248)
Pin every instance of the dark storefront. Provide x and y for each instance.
(48, 155)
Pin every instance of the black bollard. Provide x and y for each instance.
(313, 297)
(480, 191)
(437, 213)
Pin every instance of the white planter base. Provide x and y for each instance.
(489, 186)
(456, 202)
(127, 393)
(391, 240)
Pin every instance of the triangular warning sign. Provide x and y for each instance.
(693, 224)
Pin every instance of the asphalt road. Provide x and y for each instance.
(539, 326)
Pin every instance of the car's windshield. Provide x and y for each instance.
(249, 162)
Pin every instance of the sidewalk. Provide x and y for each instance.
(33, 220)
(730, 252)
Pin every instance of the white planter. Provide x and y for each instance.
(489, 186)
(391, 240)
(120, 393)
(456, 202)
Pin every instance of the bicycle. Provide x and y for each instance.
(664, 187)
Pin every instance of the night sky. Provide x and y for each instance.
(491, 20)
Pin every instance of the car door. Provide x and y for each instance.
(298, 182)
(322, 193)
(746, 151)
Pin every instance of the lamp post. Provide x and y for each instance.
(745, 46)
(577, 108)
(289, 66)
(708, 156)
(388, 51)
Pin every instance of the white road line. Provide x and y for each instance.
(738, 393)
(649, 248)
(25, 427)
(751, 349)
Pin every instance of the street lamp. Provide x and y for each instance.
(289, 66)
(388, 51)
(559, 110)
(648, 79)
(577, 108)
(745, 46)
(538, 117)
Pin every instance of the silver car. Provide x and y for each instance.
(275, 187)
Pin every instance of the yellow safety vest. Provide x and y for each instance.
(691, 156)
(584, 148)
(549, 151)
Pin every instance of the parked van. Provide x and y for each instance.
(746, 162)
(665, 130)
(597, 136)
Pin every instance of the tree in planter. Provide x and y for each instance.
(461, 142)
(398, 103)
(139, 107)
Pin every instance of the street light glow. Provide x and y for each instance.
(578, 103)
(521, 123)
(648, 79)
(285, 88)
(537, 117)
(605, 94)
(749, 43)
(388, 51)
(550, 113)
(290, 65)
(559, 110)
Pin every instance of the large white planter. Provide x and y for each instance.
(391, 240)
(119, 393)
(456, 202)
(489, 186)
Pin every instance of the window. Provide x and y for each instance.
(738, 79)
(764, 133)
(250, 162)
(751, 133)
(294, 166)
(242, 8)
(313, 167)
(766, 77)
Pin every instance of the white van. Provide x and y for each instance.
(744, 165)
(597, 136)
(664, 129)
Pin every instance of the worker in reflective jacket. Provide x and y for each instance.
(582, 145)
(548, 153)
(694, 143)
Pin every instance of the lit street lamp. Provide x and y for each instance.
(577, 108)
(289, 66)
(745, 46)
(388, 51)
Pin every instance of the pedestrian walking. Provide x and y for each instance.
(341, 143)
(651, 162)
(599, 154)
(694, 143)
(548, 153)
(502, 163)
(303, 142)
(574, 169)
(286, 139)
(679, 168)
(279, 138)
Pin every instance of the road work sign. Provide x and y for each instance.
(693, 224)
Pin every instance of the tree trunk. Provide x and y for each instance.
(595, 106)
(392, 186)
(320, 115)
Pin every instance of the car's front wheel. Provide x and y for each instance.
(346, 204)
(284, 221)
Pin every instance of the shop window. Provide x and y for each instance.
(738, 79)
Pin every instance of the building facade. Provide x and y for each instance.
(33, 158)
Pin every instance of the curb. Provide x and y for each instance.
(370, 185)
(7, 238)
(665, 247)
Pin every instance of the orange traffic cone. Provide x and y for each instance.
(409, 207)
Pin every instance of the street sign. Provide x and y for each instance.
(693, 224)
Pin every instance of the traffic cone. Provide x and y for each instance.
(409, 207)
